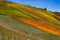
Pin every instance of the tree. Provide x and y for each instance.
(45, 8)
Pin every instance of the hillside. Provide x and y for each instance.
(35, 23)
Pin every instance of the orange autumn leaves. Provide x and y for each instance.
(41, 25)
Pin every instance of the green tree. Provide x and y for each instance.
(45, 8)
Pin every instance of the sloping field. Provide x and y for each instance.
(40, 25)
(34, 23)
(37, 14)
(26, 29)
(9, 34)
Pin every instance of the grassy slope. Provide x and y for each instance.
(34, 13)
(40, 25)
(38, 14)
(23, 11)
(6, 34)
(29, 30)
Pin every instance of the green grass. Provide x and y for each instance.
(7, 10)
(26, 28)
(6, 34)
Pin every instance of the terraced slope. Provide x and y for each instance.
(34, 23)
